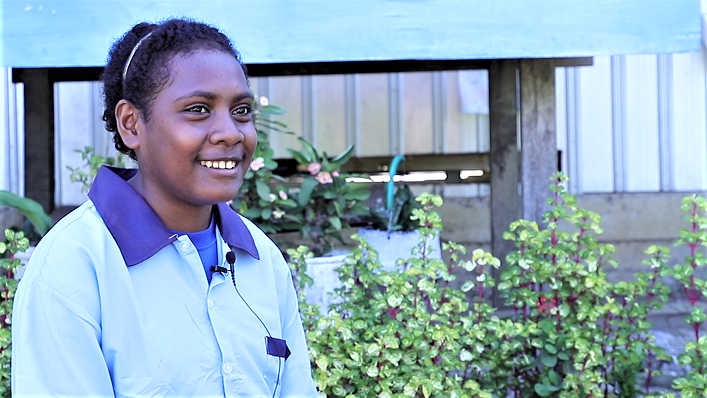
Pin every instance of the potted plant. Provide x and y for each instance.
(393, 231)
(327, 203)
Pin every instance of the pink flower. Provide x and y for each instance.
(283, 195)
(324, 177)
(335, 173)
(314, 168)
(257, 164)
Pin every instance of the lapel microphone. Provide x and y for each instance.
(231, 259)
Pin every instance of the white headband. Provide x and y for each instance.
(132, 53)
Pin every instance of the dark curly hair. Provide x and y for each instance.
(148, 72)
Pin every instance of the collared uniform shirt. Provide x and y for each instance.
(113, 304)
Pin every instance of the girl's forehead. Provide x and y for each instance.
(205, 69)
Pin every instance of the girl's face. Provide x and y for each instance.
(199, 140)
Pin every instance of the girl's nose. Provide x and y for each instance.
(226, 130)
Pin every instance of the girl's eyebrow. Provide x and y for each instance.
(211, 96)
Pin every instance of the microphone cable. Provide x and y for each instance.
(231, 259)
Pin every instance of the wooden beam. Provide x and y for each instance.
(81, 74)
(538, 141)
(504, 156)
(39, 137)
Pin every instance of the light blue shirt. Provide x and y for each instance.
(113, 304)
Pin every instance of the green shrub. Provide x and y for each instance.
(16, 242)
(569, 331)
(694, 384)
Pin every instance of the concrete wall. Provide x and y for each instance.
(630, 221)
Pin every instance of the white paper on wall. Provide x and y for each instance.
(474, 91)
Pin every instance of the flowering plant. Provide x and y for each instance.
(326, 201)
(264, 197)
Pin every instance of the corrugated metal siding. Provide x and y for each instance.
(637, 121)
(11, 144)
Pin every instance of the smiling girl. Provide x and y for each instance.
(154, 286)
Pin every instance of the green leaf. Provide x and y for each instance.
(309, 152)
(548, 359)
(263, 190)
(305, 190)
(468, 285)
(299, 156)
(547, 326)
(335, 222)
(343, 157)
(30, 208)
(266, 213)
(542, 390)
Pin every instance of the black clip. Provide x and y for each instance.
(216, 268)
(277, 347)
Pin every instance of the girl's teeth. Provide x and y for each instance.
(219, 164)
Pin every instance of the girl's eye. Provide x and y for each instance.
(242, 111)
(197, 109)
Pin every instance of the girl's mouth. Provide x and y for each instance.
(219, 164)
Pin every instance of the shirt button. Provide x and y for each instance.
(184, 246)
(227, 367)
(210, 303)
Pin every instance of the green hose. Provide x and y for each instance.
(391, 184)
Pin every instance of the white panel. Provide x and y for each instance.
(462, 134)
(417, 112)
(330, 114)
(595, 139)
(5, 131)
(259, 87)
(11, 134)
(19, 158)
(74, 130)
(561, 115)
(642, 162)
(374, 117)
(287, 94)
(462, 128)
(689, 140)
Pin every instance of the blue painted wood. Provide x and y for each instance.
(77, 33)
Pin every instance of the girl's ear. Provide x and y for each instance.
(127, 117)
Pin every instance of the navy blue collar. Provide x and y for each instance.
(138, 230)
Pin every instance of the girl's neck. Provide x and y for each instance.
(175, 217)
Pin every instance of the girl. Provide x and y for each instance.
(154, 286)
